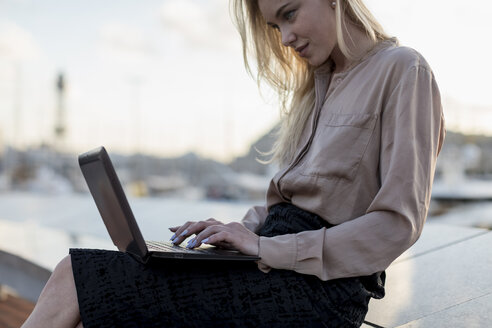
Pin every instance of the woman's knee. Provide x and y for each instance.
(64, 267)
(60, 281)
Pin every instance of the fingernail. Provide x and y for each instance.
(184, 232)
(191, 243)
(205, 241)
(174, 236)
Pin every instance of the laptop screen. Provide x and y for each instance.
(111, 202)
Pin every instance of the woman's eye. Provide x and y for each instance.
(289, 14)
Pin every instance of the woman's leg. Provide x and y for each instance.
(57, 305)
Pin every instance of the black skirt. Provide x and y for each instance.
(114, 290)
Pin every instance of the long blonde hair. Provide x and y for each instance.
(288, 74)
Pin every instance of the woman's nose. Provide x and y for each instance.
(287, 37)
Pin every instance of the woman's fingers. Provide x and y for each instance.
(205, 236)
(191, 228)
(233, 235)
(220, 236)
(221, 240)
(181, 233)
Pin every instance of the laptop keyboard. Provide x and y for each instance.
(168, 247)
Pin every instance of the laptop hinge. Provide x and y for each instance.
(139, 258)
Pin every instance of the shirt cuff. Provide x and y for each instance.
(278, 252)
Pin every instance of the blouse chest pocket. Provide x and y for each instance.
(338, 146)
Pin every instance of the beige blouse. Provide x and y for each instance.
(365, 163)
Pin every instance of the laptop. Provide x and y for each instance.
(123, 229)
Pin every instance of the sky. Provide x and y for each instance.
(166, 77)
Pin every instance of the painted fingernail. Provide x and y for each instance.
(191, 243)
(174, 236)
(184, 232)
(205, 241)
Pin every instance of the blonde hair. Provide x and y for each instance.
(289, 75)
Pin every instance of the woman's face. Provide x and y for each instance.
(308, 26)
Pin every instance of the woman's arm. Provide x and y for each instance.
(412, 132)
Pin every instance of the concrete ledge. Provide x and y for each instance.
(443, 276)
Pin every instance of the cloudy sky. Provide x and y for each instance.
(166, 76)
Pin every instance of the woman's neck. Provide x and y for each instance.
(358, 43)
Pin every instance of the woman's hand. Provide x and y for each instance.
(190, 228)
(232, 235)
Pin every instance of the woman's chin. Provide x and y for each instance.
(317, 62)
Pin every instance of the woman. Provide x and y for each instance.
(361, 131)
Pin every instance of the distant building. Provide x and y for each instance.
(473, 153)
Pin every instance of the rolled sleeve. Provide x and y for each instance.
(254, 219)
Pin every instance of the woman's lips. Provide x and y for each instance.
(302, 50)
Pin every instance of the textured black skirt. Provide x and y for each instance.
(114, 290)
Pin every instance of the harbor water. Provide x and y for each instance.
(41, 228)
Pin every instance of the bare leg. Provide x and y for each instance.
(57, 305)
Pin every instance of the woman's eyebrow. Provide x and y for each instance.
(279, 12)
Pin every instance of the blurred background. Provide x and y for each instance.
(161, 84)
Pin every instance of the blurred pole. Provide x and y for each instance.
(17, 114)
(229, 128)
(12, 160)
(139, 188)
(137, 85)
(60, 128)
